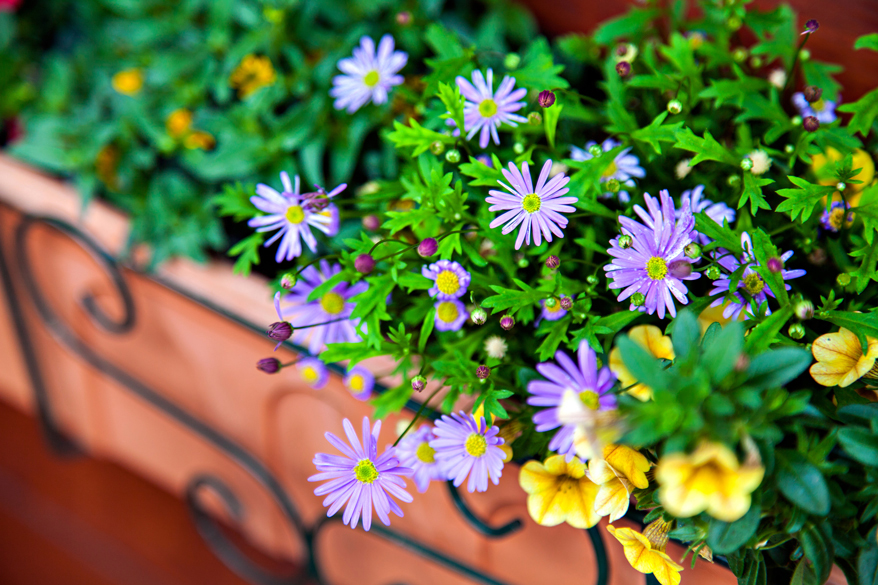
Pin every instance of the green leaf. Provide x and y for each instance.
(538, 70)
(426, 329)
(634, 22)
(820, 74)
(453, 101)
(801, 482)
(248, 252)
(706, 148)
(416, 136)
(355, 352)
(655, 133)
(753, 192)
(804, 574)
(869, 215)
(510, 298)
(234, 201)
(721, 234)
(765, 250)
(763, 335)
(818, 548)
(867, 270)
(864, 110)
(727, 537)
(869, 41)
(722, 352)
(732, 90)
(642, 364)
(867, 562)
(773, 369)
(860, 444)
(482, 174)
(556, 334)
(685, 335)
(550, 121)
(803, 198)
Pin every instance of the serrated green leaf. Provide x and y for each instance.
(868, 269)
(556, 334)
(869, 41)
(453, 100)
(538, 70)
(706, 148)
(764, 334)
(654, 134)
(864, 113)
(753, 192)
(416, 136)
(804, 198)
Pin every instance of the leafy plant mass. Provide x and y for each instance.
(638, 262)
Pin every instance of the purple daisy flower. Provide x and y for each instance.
(751, 283)
(415, 452)
(654, 265)
(360, 382)
(464, 447)
(718, 212)
(624, 168)
(450, 315)
(324, 320)
(538, 211)
(823, 110)
(485, 110)
(313, 372)
(361, 478)
(367, 76)
(592, 386)
(450, 279)
(287, 213)
(834, 218)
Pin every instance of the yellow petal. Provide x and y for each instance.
(600, 472)
(581, 512)
(666, 571)
(650, 338)
(728, 508)
(639, 553)
(534, 478)
(681, 501)
(632, 464)
(556, 464)
(572, 501)
(613, 499)
(544, 508)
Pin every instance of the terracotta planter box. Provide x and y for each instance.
(156, 372)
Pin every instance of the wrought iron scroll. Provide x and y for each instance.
(206, 524)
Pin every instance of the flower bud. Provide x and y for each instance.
(713, 272)
(512, 60)
(817, 257)
(625, 241)
(733, 180)
(280, 331)
(437, 148)
(566, 303)
(364, 263)
(840, 186)
(811, 124)
(479, 316)
(755, 62)
(553, 262)
(453, 156)
(546, 98)
(523, 262)
(371, 223)
(680, 268)
(812, 93)
(692, 250)
(796, 331)
(289, 280)
(595, 150)
(747, 164)
(591, 279)
(482, 372)
(804, 309)
(427, 247)
(534, 119)
(507, 322)
(614, 186)
(843, 279)
(551, 302)
(623, 68)
(734, 23)
(419, 383)
(739, 55)
(404, 18)
(775, 264)
(268, 365)
(638, 299)
(518, 148)
(811, 26)
(675, 107)
(789, 149)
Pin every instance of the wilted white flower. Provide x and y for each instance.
(761, 162)
(682, 169)
(495, 347)
(777, 78)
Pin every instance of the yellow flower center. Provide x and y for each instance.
(753, 284)
(531, 203)
(128, 82)
(488, 108)
(447, 282)
(310, 374)
(476, 445)
(426, 453)
(356, 382)
(818, 106)
(295, 214)
(447, 312)
(332, 303)
(179, 122)
(590, 399)
(371, 79)
(836, 218)
(365, 471)
(610, 170)
(656, 268)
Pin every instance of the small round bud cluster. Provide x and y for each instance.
(566, 303)
(775, 264)
(811, 123)
(734, 23)
(268, 365)
(747, 163)
(755, 62)
(371, 223)
(739, 55)
(623, 68)
(614, 186)
(638, 299)
(812, 93)
(553, 262)
(419, 383)
(595, 150)
(512, 61)
(546, 98)
(692, 250)
(796, 331)
(453, 156)
(507, 322)
(437, 147)
(804, 309)
(534, 118)
(479, 316)
(625, 241)
(280, 331)
(427, 247)
(289, 280)
(482, 372)
(523, 262)
(789, 149)
(364, 263)
(713, 272)
(675, 107)
(843, 279)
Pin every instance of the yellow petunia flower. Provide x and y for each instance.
(252, 73)
(650, 338)
(617, 473)
(644, 558)
(178, 123)
(128, 82)
(823, 166)
(840, 359)
(708, 479)
(558, 492)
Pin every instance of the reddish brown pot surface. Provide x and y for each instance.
(841, 23)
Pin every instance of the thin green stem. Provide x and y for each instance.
(385, 240)
(417, 414)
(795, 62)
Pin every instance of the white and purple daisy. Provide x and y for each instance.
(654, 264)
(484, 111)
(289, 213)
(718, 212)
(465, 446)
(324, 320)
(360, 382)
(751, 286)
(450, 279)
(592, 387)
(823, 110)
(313, 371)
(538, 210)
(415, 452)
(624, 168)
(450, 315)
(837, 216)
(361, 478)
(367, 76)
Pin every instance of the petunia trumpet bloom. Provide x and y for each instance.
(559, 491)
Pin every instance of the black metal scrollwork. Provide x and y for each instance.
(227, 551)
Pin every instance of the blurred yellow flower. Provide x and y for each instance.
(251, 74)
(617, 473)
(128, 82)
(650, 338)
(106, 163)
(558, 492)
(644, 558)
(708, 479)
(824, 167)
(840, 359)
(200, 139)
(178, 123)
